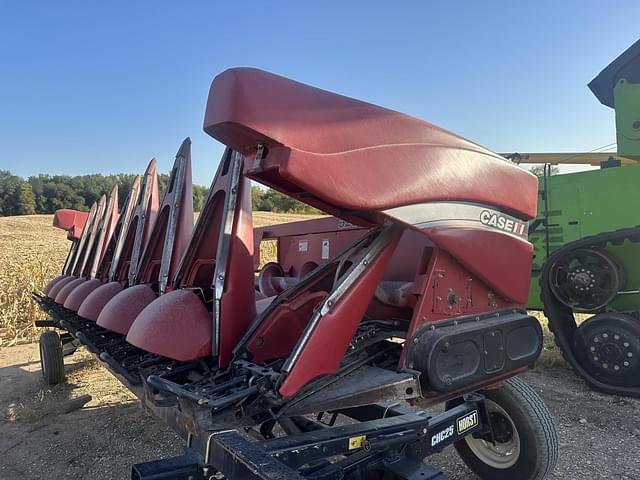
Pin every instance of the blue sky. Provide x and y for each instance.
(104, 86)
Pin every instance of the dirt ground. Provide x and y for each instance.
(599, 434)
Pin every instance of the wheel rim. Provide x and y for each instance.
(609, 344)
(506, 451)
(585, 279)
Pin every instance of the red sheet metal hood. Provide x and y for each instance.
(329, 149)
(96, 300)
(80, 293)
(72, 221)
(176, 325)
(47, 288)
(120, 312)
(64, 292)
(59, 285)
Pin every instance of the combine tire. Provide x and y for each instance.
(608, 346)
(51, 358)
(526, 446)
(576, 343)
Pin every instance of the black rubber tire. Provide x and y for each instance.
(561, 318)
(51, 358)
(535, 426)
(629, 328)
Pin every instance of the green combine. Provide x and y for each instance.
(587, 244)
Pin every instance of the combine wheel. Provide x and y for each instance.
(51, 358)
(608, 345)
(585, 279)
(526, 442)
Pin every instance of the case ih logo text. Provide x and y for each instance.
(467, 422)
(440, 436)
(493, 219)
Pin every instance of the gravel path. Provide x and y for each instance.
(599, 434)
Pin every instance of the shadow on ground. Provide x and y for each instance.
(101, 440)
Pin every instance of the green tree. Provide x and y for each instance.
(8, 192)
(268, 200)
(538, 170)
(199, 196)
(60, 195)
(44, 193)
(26, 202)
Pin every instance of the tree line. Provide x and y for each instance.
(44, 194)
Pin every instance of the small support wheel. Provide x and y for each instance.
(526, 441)
(51, 358)
(585, 279)
(608, 345)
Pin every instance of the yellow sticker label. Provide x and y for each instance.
(357, 442)
(467, 422)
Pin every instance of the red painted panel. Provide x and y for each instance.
(279, 333)
(175, 325)
(96, 300)
(314, 226)
(503, 261)
(154, 250)
(80, 293)
(120, 312)
(109, 224)
(295, 251)
(446, 290)
(120, 230)
(85, 239)
(101, 232)
(329, 341)
(333, 148)
(64, 292)
(237, 306)
(142, 213)
(53, 291)
(47, 288)
(72, 221)
(198, 262)
(89, 249)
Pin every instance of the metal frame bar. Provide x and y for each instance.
(83, 237)
(91, 240)
(350, 277)
(363, 443)
(136, 251)
(222, 254)
(124, 221)
(70, 257)
(103, 226)
(176, 206)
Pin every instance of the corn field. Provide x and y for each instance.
(32, 252)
